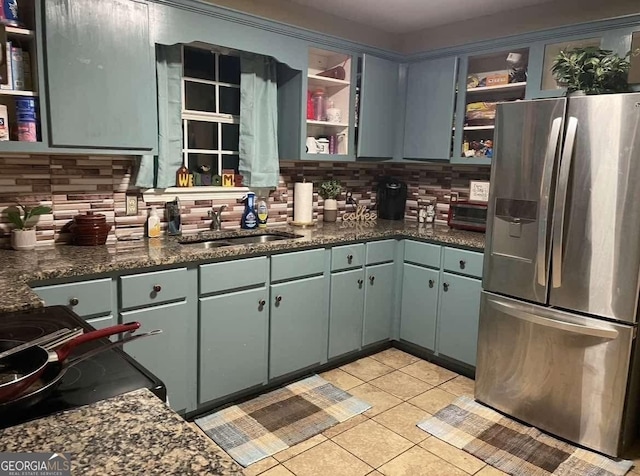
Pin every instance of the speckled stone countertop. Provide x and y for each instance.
(19, 268)
(138, 435)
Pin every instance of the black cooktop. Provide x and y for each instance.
(103, 376)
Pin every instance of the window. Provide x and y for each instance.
(210, 111)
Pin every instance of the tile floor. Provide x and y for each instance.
(402, 390)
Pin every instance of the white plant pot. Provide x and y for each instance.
(23, 240)
(330, 210)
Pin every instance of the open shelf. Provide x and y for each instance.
(13, 31)
(311, 122)
(316, 81)
(15, 92)
(501, 88)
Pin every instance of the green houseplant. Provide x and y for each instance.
(329, 191)
(592, 70)
(23, 237)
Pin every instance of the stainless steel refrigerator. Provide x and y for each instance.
(558, 319)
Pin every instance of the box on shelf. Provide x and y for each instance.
(488, 79)
(17, 68)
(7, 54)
(26, 65)
(480, 113)
(4, 123)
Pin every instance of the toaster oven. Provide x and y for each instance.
(470, 216)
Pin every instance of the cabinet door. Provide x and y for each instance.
(234, 330)
(458, 319)
(431, 92)
(100, 74)
(419, 306)
(165, 355)
(378, 305)
(298, 318)
(378, 107)
(345, 314)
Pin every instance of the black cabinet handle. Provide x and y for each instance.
(463, 263)
(278, 300)
(372, 279)
(261, 304)
(360, 282)
(349, 258)
(74, 301)
(431, 283)
(157, 288)
(445, 286)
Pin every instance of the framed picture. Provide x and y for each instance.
(479, 191)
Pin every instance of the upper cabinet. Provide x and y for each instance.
(431, 92)
(100, 75)
(483, 82)
(378, 107)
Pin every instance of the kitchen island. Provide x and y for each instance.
(133, 433)
(20, 268)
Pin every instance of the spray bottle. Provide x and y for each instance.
(249, 218)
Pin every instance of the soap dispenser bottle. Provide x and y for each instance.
(249, 218)
(263, 213)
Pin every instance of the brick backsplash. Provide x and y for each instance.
(76, 184)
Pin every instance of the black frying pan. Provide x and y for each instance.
(52, 375)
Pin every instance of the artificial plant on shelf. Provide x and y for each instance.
(23, 236)
(592, 70)
(330, 190)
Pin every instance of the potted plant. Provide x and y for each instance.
(23, 237)
(329, 191)
(592, 70)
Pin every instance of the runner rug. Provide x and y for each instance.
(273, 422)
(512, 447)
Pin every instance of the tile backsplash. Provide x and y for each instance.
(76, 184)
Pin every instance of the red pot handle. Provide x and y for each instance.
(64, 351)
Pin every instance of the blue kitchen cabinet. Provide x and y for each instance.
(100, 73)
(379, 107)
(166, 355)
(378, 306)
(458, 317)
(431, 94)
(345, 314)
(299, 316)
(234, 337)
(418, 315)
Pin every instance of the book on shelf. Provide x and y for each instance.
(8, 55)
(26, 62)
(17, 68)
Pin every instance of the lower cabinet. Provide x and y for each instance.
(378, 305)
(345, 313)
(458, 319)
(419, 311)
(298, 320)
(234, 330)
(166, 354)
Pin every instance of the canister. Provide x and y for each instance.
(9, 13)
(27, 119)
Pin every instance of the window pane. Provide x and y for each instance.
(229, 69)
(199, 162)
(203, 135)
(199, 63)
(200, 97)
(230, 162)
(230, 101)
(230, 136)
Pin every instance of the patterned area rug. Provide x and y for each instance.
(513, 447)
(277, 420)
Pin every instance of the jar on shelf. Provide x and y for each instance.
(320, 105)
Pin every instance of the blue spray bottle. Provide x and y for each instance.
(249, 218)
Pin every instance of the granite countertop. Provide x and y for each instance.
(138, 434)
(19, 268)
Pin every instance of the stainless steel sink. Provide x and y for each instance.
(209, 243)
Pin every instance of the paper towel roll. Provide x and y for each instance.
(303, 202)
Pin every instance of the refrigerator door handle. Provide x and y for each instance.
(545, 186)
(593, 331)
(561, 200)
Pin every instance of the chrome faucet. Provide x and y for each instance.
(216, 218)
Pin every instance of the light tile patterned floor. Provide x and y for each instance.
(385, 440)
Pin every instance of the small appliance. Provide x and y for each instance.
(467, 215)
(391, 198)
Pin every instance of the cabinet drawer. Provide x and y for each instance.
(153, 288)
(87, 298)
(102, 322)
(347, 257)
(425, 254)
(243, 273)
(463, 262)
(297, 265)
(381, 251)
